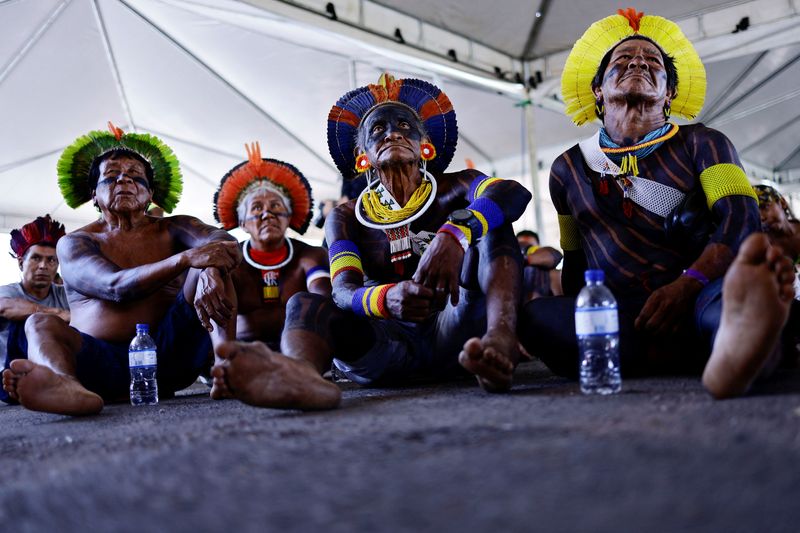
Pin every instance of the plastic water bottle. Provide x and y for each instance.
(597, 328)
(142, 362)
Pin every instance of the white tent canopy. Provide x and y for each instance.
(207, 76)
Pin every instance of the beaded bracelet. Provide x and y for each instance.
(699, 276)
(371, 301)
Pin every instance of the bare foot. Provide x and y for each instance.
(10, 380)
(39, 388)
(492, 358)
(756, 296)
(219, 387)
(256, 375)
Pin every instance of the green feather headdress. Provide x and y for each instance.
(76, 161)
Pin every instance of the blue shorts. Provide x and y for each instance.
(404, 350)
(183, 349)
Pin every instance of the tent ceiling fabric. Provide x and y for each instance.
(208, 76)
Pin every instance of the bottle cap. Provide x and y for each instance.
(142, 327)
(594, 276)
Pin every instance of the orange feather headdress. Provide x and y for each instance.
(278, 174)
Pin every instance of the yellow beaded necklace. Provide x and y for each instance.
(378, 212)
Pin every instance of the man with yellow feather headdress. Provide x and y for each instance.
(662, 209)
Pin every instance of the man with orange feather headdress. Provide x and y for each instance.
(265, 197)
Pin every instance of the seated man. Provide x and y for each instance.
(539, 274)
(615, 191)
(34, 246)
(123, 269)
(426, 270)
(778, 221)
(265, 197)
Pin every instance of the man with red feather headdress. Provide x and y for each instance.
(34, 247)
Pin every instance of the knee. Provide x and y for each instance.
(305, 309)
(38, 322)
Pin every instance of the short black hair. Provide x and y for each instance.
(116, 153)
(669, 65)
(528, 233)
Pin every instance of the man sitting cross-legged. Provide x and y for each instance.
(662, 209)
(425, 265)
(265, 197)
(123, 269)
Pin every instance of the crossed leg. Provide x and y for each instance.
(46, 380)
(256, 375)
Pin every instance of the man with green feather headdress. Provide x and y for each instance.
(126, 268)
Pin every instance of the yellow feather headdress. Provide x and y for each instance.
(605, 34)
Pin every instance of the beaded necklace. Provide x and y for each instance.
(627, 158)
(270, 273)
(382, 211)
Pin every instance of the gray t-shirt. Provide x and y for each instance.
(57, 297)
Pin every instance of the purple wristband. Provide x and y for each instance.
(699, 276)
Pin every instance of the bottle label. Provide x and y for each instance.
(596, 321)
(142, 358)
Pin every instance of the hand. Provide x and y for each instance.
(409, 301)
(439, 269)
(210, 300)
(670, 307)
(224, 255)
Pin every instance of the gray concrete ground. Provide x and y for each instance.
(661, 456)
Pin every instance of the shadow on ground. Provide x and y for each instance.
(661, 456)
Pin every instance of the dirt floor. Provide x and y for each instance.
(661, 456)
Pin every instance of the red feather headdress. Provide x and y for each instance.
(43, 230)
(279, 174)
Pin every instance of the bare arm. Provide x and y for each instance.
(317, 258)
(86, 270)
(406, 300)
(21, 309)
(544, 257)
(493, 202)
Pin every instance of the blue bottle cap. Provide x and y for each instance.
(142, 327)
(594, 276)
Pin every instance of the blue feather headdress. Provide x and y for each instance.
(427, 101)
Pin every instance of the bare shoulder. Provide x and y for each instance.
(192, 232)
(463, 177)
(309, 255)
(77, 243)
(340, 222)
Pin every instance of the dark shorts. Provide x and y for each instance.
(183, 349)
(407, 350)
(547, 330)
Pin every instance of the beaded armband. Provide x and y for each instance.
(316, 273)
(344, 256)
(725, 179)
(570, 235)
(487, 215)
(371, 301)
(458, 232)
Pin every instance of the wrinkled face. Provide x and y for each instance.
(391, 135)
(773, 216)
(38, 266)
(267, 217)
(635, 72)
(122, 185)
